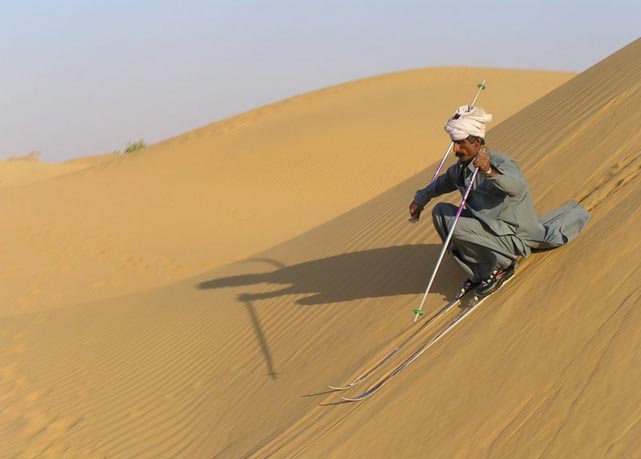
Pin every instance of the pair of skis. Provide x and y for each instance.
(474, 303)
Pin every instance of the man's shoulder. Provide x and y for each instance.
(504, 163)
(500, 156)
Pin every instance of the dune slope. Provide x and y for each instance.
(549, 367)
(225, 191)
(235, 361)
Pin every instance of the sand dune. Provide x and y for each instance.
(235, 361)
(28, 169)
(225, 191)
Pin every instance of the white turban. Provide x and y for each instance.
(467, 120)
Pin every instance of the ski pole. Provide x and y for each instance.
(481, 87)
(419, 311)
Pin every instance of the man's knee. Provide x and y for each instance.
(441, 214)
(443, 209)
(467, 230)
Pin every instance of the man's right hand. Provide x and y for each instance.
(415, 212)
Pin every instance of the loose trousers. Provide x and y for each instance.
(473, 246)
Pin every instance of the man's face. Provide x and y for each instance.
(465, 150)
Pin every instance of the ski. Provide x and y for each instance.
(455, 302)
(474, 303)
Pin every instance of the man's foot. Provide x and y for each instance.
(467, 285)
(494, 281)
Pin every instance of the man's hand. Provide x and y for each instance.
(482, 161)
(415, 212)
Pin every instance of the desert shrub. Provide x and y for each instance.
(134, 146)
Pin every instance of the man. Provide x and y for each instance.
(499, 222)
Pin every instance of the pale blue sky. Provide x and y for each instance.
(85, 77)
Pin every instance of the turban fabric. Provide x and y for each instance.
(467, 120)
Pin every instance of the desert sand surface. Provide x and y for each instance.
(134, 339)
(29, 169)
(223, 192)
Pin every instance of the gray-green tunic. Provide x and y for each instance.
(499, 222)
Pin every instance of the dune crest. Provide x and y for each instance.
(29, 169)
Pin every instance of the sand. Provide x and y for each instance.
(196, 298)
(28, 169)
(223, 192)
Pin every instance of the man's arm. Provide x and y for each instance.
(443, 184)
(505, 183)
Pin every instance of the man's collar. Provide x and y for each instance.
(469, 166)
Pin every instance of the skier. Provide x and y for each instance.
(498, 224)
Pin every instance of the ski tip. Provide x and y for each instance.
(337, 388)
(353, 399)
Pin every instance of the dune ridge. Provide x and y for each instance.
(29, 169)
